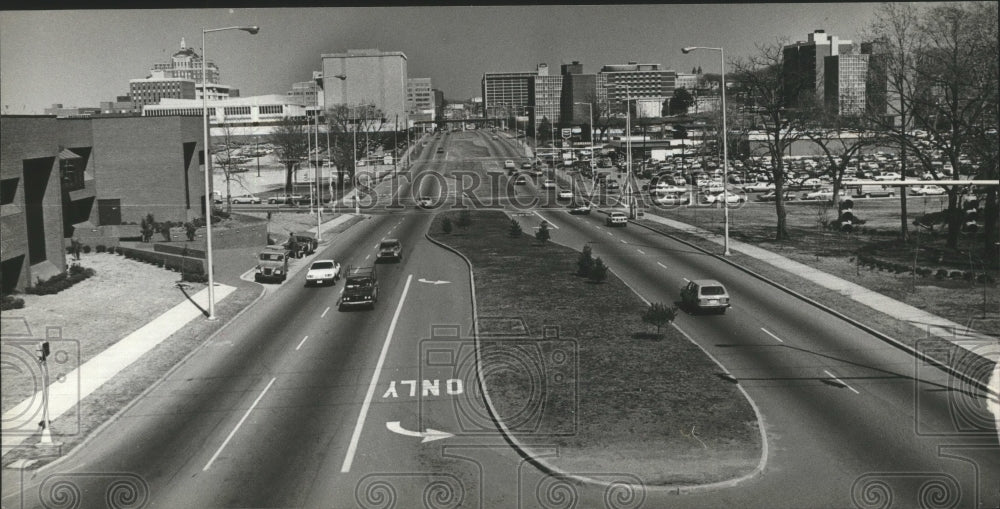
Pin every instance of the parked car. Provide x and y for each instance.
(889, 175)
(927, 190)
(390, 249)
(285, 199)
(705, 294)
(611, 185)
(759, 187)
(729, 196)
(565, 194)
(825, 194)
(873, 190)
(526, 165)
(616, 219)
(673, 199)
(549, 184)
(509, 165)
(322, 272)
(666, 188)
(305, 243)
(771, 196)
(251, 199)
(582, 210)
(520, 180)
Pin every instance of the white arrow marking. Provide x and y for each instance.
(422, 280)
(428, 436)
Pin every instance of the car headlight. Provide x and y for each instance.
(277, 271)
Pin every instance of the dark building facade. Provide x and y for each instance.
(59, 176)
(804, 65)
(576, 88)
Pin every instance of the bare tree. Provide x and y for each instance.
(841, 138)
(765, 87)
(289, 140)
(356, 131)
(229, 161)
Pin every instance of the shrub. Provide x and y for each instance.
(955, 274)
(61, 281)
(194, 277)
(941, 273)
(86, 249)
(659, 315)
(515, 228)
(968, 275)
(599, 272)
(190, 229)
(585, 262)
(165, 231)
(543, 235)
(11, 302)
(100, 248)
(446, 225)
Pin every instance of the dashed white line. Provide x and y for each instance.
(686, 280)
(353, 446)
(640, 251)
(769, 333)
(233, 432)
(302, 342)
(368, 256)
(841, 382)
(325, 311)
(661, 265)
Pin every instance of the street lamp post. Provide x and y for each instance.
(725, 145)
(319, 207)
(207, 150)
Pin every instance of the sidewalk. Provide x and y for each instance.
(955, 333)
(103, 367)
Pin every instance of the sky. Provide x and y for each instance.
(83, 57)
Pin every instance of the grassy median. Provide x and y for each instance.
(651, 407)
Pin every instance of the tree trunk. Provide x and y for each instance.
(288, 178)
(903, 233)
(990, 249)
(954, 217)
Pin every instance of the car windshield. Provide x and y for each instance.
(271, 256)
(357, 283)
(713, 290)
(388, 245)
(322, 265)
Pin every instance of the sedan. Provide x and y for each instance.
(772, 196)
(705, 294)
(616, 219)
(526, 166)
(582, 210)
(322, 272)
(673, 199)
(549, 184)
(825, 194)
(759, 187)
(246, 199)
(565, 194)
(927, 190)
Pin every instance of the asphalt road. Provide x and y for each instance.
(297, 404)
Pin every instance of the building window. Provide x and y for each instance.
(71, 174)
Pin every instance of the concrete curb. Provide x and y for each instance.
(159, 381)
(554, 471)
(874, 332)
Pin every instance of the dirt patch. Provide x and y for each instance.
(645, 399)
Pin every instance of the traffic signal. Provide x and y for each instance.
(43, 351)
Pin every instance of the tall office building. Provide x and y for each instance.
(647, 82)
(307, 93)
(803, 66)
(419, 94)
(507, 93)
(846, 82)
(578, 91)
(180, 78)
(373, 77)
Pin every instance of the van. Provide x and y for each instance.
(873, 190)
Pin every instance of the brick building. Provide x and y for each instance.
(59, 175)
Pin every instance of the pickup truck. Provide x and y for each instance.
(272, 264)
(360, 288)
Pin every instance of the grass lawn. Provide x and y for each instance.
(654, 408)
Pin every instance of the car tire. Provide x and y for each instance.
(868, 195)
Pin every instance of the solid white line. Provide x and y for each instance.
(324, 312)
(302, 342)
(546, 220)
(352, 448)
(686, 280)
(640, 251)
(661, 265)
(233, 432)
(772, 335)
(841, 381)
(368, 256)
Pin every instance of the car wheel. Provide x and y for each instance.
(892, 195)
(868, 195)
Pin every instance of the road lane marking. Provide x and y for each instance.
(353, 447)
(661, 265)
(546, 220)
(233, 432)
(772, 335)
(686, 280)
(301, 343)
(623, 241)
(368, 256)
(640, 251)
(324, 312)
(841, 382)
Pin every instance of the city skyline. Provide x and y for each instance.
(42, 62)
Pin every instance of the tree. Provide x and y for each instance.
(841, 138)
(659, 315)
(544, 134)
(680, 102)
(585, 262)
(542, 235)
(289, 141)
(765, 87)
(356, 130)
(515, 229)
(599, 272)
(228, 161)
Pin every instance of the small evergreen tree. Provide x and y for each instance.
(599, 272)
(464, 219)
(659, 315)
(585, 262)
(515, 228)
(165, 231)
(542, 235)
(190, 229)
(446, 225)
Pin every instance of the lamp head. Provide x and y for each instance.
(687, 50)
(251, 30)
